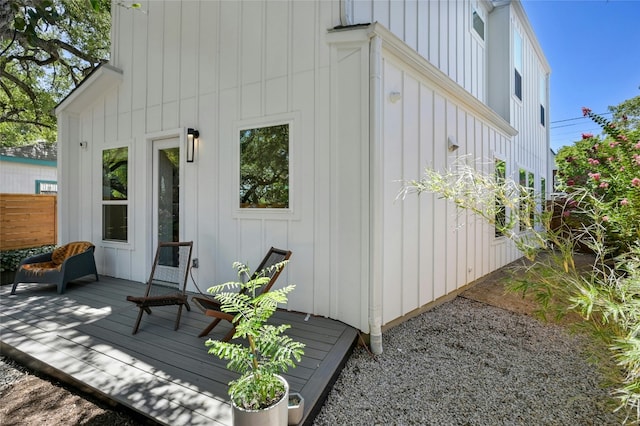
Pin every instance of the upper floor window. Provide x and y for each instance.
(115, 175)
(264, 167)
(543, 98)
(517, 64)
(478, 24)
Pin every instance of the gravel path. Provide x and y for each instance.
(467, 363)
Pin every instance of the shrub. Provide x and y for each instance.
(608, 167)
(10, 259)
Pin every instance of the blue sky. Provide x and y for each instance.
(593, 48)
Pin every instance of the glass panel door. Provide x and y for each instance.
(166, 181)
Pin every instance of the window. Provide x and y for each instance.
(532, 197)
(46, 187)
(264, 167)
(478, 24)
(517, 64)
(114, 194)
(543, 191)
(543, 97)
(528, 202)
(501, 211)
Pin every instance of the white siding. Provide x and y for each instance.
(532, 141)
(440, 31)
(20, 177)
(430, 249)
(220, 65)
(214, 66)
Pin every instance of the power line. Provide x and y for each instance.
(577, 118)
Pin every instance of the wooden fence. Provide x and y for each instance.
(27, 221)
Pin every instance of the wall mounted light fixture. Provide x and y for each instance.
(451, 144)
(192, 135)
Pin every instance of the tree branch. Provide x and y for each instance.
(22, 85)
(20, 121)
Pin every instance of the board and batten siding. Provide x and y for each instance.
(429, 247)
(532, 140)
(219, 66)
(440, 31)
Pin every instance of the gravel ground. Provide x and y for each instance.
(467, 363)
(10, 372)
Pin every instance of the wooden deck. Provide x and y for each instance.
(84, 337)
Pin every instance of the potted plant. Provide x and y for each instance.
(260, 394)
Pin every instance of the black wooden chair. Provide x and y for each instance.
(211, 307)
(167, 282)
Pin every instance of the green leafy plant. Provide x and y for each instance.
(269, 351)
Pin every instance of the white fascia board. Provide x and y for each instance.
(97, 83)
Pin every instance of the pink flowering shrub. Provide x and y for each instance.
(608, 168)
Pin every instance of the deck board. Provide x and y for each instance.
(84, 337)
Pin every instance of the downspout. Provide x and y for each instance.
(346, 18)
(375, 193)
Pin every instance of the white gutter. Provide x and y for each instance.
(375, 188)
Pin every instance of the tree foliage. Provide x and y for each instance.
(47, 48)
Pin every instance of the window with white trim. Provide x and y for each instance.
(115, 184)
(478, 24)
(526, 179)
(517, 64)
(264, 167)
(543, 98)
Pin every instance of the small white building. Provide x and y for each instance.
(308, 114)
(30, 169)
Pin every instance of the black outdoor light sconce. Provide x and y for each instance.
(192, 135)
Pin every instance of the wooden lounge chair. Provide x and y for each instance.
(167, 282)
(211, 307)
(66, 263)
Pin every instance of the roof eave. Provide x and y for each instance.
(98, 82)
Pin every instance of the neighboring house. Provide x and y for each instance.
(30, 169)
(339, 102)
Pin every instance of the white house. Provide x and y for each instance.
(342, 99)
(30, 169)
